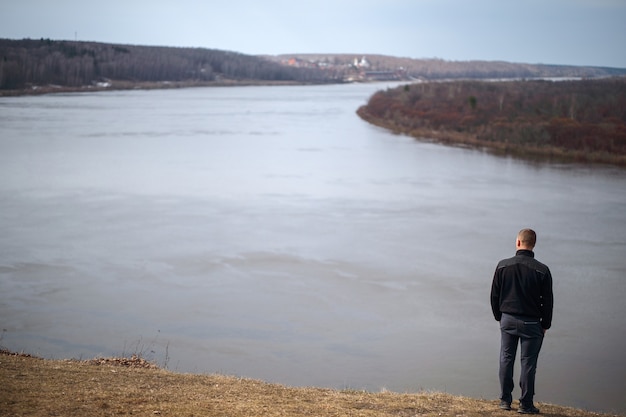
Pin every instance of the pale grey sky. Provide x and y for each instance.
(569, 32)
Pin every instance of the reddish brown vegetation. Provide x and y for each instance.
(576, 120)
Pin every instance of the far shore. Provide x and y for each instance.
(129, 85)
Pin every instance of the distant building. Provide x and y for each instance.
(361, 63)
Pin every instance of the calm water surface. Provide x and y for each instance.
(268, 232)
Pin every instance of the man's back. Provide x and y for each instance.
(522, 286)
(521, 300)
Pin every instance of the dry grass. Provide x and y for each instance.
(30, 386)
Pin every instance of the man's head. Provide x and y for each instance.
(526, 239)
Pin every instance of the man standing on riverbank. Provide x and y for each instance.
(522, 301)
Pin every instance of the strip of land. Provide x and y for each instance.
(31, 66)
(32, 386)
(565, 121)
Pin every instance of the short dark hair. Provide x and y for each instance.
(528, 237)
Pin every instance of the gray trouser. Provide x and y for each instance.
(528, 331)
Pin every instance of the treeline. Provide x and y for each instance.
(583, 120)
(28, 62)
(439, 69)
(31, 63)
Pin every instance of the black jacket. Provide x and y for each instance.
(523, 286)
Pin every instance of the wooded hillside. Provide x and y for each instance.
(438, 69)
(29, 65)
(580, 120)
(28, 62)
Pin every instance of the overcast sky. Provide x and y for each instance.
(570, 32)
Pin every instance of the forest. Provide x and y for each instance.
(44, 65)
(582, 120)
(25, 63)
(440, 69)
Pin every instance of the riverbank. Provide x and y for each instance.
(128, 85)
(470, 140)
(36, 387)
(566, 121)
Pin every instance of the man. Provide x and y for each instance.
(522, 301)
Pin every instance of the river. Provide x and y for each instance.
(268, 232)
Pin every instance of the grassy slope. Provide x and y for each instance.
(31, 386)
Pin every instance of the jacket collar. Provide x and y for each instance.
(525, 252)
